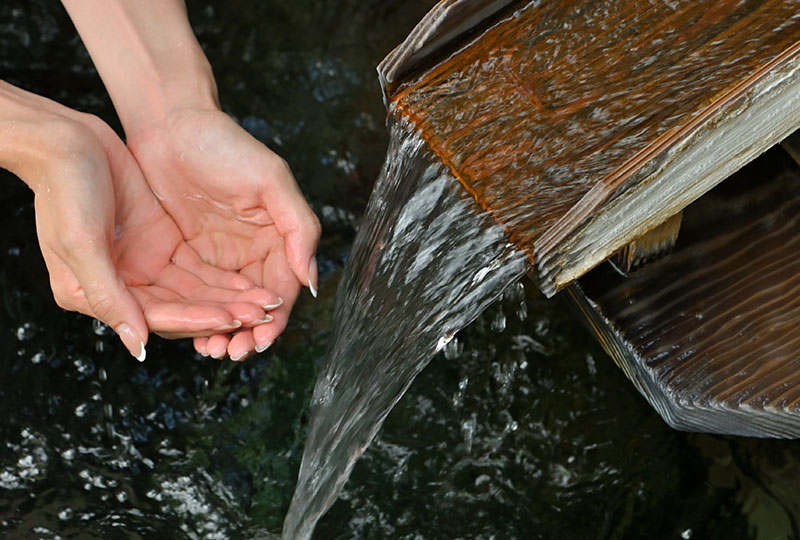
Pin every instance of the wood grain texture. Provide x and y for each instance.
(711, 334)
(444, 24)
(547, 116)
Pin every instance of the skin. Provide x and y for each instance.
(96, 216)
(235, 201)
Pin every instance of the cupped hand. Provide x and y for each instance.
(113, 252)
(238, 206)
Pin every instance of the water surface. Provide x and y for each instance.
(520, 428)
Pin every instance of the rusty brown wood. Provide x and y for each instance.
(710, 335)
(546, 115)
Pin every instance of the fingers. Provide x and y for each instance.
(107, 297)
(217, 346)
(201, 345)
(295, 221)
(193, 289)
(241, 345)
(275, 271)
(172, 317)
(187, 258)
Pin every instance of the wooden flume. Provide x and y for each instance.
(709, 334)
(585, 128)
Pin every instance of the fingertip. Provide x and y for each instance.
(201, 346)
(313, 277)
(133, 341)
(242, 283)
(218, 346)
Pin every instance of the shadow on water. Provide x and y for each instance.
(519, 428)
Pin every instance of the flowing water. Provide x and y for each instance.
(519, 428)
(426, 262)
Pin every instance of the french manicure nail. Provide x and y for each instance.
(266, 319)
(232, 326)
(262, 348)
(312, 276)
(278, 304)
(132, 341)
(238, 358)
(218, 356)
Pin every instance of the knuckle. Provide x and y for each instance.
(102, 306)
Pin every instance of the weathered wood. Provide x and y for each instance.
(581, 125)
(711, 334)
(650, 246)
(446, 22)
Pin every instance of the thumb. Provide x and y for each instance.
(296, 223)
(111, 302)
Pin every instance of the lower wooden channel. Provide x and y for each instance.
(710, 335)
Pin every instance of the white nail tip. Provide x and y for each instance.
(312, 289)
(262, 348)
(273, 306)
(238, 357)
(142, 354)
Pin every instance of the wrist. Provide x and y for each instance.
(148, 57)
(38, 135)
(181, 82)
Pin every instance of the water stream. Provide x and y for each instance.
(426, 262)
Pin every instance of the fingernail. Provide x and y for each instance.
(266, 319)
(218, 356)
(278, 304)
(132, 341)
(232, 326)
(312, 276)
(238, 358)
(262, 348)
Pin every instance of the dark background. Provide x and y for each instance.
(524, 428)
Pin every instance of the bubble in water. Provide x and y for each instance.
(100, 329)
(499, 321)
(453, 349)
(26, 332)
(468, 432)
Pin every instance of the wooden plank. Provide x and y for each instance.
(559, 110)
(711, 334)
(444, 24)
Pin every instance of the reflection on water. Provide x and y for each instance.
(525, 432)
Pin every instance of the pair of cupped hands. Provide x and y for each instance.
(193, 229)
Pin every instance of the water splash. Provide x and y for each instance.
(426, 262)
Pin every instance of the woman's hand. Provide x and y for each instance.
(111, 250)
(237, 204)
(235, 201)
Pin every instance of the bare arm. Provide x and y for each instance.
(147, 56)
(234, 199)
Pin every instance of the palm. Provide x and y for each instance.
(235, 202)
(180, 295)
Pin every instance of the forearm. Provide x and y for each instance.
(147, 56)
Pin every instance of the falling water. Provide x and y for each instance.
(427, 261)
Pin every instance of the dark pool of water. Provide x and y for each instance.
(521, 428)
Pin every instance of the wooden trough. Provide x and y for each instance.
(584, 126)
